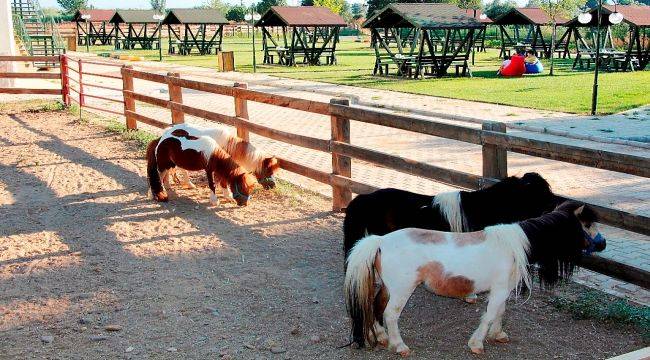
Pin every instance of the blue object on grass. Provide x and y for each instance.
(535, 68)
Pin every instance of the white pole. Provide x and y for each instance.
(7, 45)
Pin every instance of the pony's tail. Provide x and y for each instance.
(514, 240)
(360, 289)
(354, 224)
(159, 194)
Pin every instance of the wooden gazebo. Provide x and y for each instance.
(530, 20)
(141, 29)
(200, 29)
(442, 35)
(314, 33)
(637, 53)
(479, 37)
(93, 26)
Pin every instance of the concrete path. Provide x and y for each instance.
(621, 191)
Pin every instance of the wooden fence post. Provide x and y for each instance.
(129, 102)
(341, 165)
(176, 96)
(65, 84)
(82, 99)
(495, 159)
(241, 111)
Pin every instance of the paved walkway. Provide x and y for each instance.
(621, 191)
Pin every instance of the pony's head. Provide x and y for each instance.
(266, 171)
(242, 188)
(560, 238)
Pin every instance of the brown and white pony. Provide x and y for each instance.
(176, 148)
(495, 259)
(263, 166)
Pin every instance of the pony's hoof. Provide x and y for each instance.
(214, 200)
(502, 337)
(161, 197)
(471, 299)
(477, 350)
(403, 350)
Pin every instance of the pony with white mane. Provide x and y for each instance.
(263, 166)
(495, 259)
(194, 153)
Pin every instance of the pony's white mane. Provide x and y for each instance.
(512, 238)
(449, 205)
(251, 160)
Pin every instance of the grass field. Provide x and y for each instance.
(568, 91)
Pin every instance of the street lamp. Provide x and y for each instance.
(253, 17)
(159, 18)
(585, 18)
(86, 18)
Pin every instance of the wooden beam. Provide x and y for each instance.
(26, 75)
(12, 90)
(495, 159)
(341, 164)
(615, 269)
(241, 111)
(175, 95)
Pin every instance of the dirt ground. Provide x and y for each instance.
(90, 267)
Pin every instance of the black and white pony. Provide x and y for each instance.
(386, 210)
(495, 259)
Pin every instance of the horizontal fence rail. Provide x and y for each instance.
(492, 138)
(34, 75)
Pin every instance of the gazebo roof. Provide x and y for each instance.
(300, 16)
(635, 15)
(526, 16)
(422, 15)
(96, 15)
(134, 17)
(194, 16)
(477, 16)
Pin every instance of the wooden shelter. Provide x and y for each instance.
(479, 37)
(141, 29)
(442, 35)
(93, 25)
(202, 29)
(637, 53)
(530, 20)
(314, 34)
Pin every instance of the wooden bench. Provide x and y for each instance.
(381, 64)
(430, 63)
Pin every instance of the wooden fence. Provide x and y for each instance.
(493, 139)
(35, 75)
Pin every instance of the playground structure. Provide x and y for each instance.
(531, 21)
(37, 33)
(314, 35)
(637, 53)
(200, 29)
(142, 29)
(93, 27)
(429, 38)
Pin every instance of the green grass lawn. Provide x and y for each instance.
(568, 90)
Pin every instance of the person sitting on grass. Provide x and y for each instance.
(531, 58)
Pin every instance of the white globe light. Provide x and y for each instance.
(257, 17)
(85, 16)
(615, 18)
(584, 18)
(248, 17)
(482, 17)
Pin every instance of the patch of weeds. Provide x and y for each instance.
(295, 194)
(519, 123)
(572, 127)
(376, 97)
(606, 130)
(142, 138)
(512, 114)
(592, 304)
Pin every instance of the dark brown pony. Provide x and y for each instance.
(178, 149)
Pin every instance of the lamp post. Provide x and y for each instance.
(584, 18)
(252, 17)
(86, 18)
(159, 18)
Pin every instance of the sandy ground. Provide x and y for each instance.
(83, 250)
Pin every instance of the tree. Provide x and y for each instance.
(468, 4)
(72, 6)
(264, 5)
(237, 13)
(335, 5)
(497, 8)
(346, 13)
(158, 5)
(556, 9)
(307, 3)
(534, 3)
(374, 5)
(216, 4)
(357, 10)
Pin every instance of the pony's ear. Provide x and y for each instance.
(579, 211)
